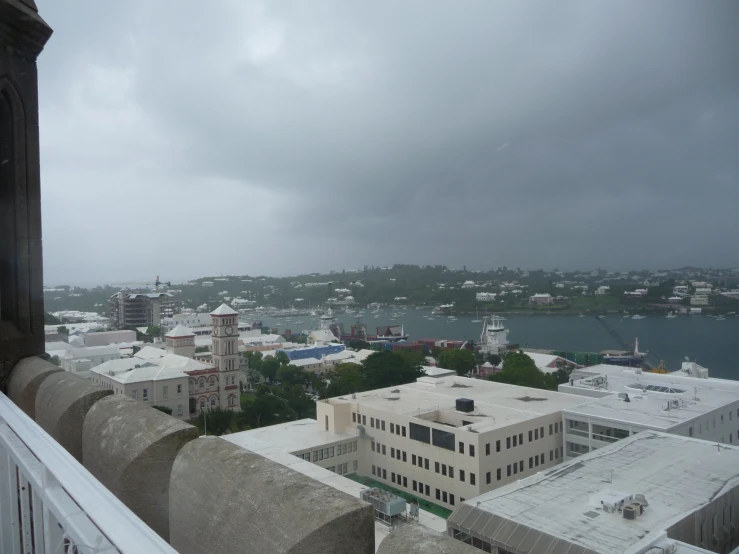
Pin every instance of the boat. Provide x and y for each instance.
(477, 317)
(601, 317)
(494, 336)
(671, 316)
(720, 318)
(581, 315)
(628, 359)
(637, 316)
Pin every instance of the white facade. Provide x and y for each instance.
(626, 401)
(699, 300)
(81, 360)
(485, 296)
(603, 289)
(541, 299)
(181, 341)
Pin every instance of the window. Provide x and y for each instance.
(392, 452)
(508, 442)
(531, 433)
(508, 470)
(515, 441)
(414, 485)
(520, 465)
(372, 422)
(392, 427)
(451, 499)
(541, 431)
(515, 469)
(426, 463)
(355, 465)
(384, 474)
(179, 390)
(428, 490)
(497, 473)
(536, 460)
(488, 478)
(165, 391)
(437, 467)
(354, 417)
(413, 459)
(472, 478)
(451, 472)
(384, 451)
(145, 395)
(472, 450)
(443, 469)
(438, 494)
(443, 496)
(179, 409)
(487, 449)
(531, 463)
(403, 429)
(373, 470)
(201, 383)
(372, 446)
(536, 434)
(364, 420)
(383, 424)
(405, 482)
(331, 452)
(320, 455)
(520, 438)
(551, 455)
(461, 447)
(550, 428)
(497, 446)
(461, 475)
(135, 395)
(404, 457)
(392, 477)
(212, 401)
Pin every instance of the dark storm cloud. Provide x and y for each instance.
(333, 134)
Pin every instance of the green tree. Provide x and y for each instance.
(299, 402)
(55, 360)
(460, 360)
(386, 369)
(289, 375)
(50, 319)
(346, 378)
(268, 368)
(164, 409)
(62, 330)
(215, 421)
(201, 349)
(283, 358)
(494, 359)
(519, 369)
(154, 330)
(358, 345)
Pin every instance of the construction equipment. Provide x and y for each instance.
(156, 284)
(660, 368)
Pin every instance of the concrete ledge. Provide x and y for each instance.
(25, 380)
(62, 403)
(130, 448)
(256, 505)
(412, 538)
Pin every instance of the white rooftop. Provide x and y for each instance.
(293, 436)
(305, 361)
(224, 309)
(433, 371)
(677, 476)
(496, 404)
(151, 367)
(649, 395)
(180, 331)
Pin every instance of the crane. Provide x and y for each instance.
(156, 284)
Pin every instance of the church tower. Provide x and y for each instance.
(181, 341)
(225, 335)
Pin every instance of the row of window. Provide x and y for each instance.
(342, 469)
(328, 452)
(145, 393)
(417, 486)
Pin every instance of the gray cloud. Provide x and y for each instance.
(184, 139)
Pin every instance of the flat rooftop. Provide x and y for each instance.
(496, 404)
(649, 396)
(677, 475)
(292, 436)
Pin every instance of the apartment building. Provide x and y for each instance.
(626, 401)
(451, 438)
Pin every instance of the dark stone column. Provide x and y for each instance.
(22, 37)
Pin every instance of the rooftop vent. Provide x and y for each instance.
(465, 405)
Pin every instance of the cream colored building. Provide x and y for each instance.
(443, 439)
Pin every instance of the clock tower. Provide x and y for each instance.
(226, 358)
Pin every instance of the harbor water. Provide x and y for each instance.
(706, 340)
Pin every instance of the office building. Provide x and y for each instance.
(129, 309)
(626, 401)
(653, 493)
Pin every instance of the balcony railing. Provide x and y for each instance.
(49, 503)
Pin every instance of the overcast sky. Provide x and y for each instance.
(185, 138)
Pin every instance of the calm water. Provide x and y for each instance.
(709, 342)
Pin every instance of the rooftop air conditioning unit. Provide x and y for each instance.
(629, 512)
(465, 405)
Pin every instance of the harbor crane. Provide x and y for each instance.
(156, 284)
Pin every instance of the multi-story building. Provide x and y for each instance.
(542, 299)
(626, 401)
(442, 439)
(129, 309)
(653, 493)
(699, 300)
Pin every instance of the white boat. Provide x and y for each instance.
(720, 318)
(601, 317)
(581, 315)
(637, 316)
(671, 316)
(477, 317)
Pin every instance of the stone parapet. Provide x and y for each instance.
(412, 538)
(62, 403)
(130, 448)
(25, 380)
(250, 500)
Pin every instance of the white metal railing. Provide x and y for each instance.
(50, 504)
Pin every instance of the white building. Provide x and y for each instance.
(187, 320)
(627, 401)
(653, 493)
(443, 438)
(540, 299)
(108, 337)
(699, 300)
(603, 289)
(703, 290)
(485, 296)
(468, 285)
(547, 363)
(81, 360)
